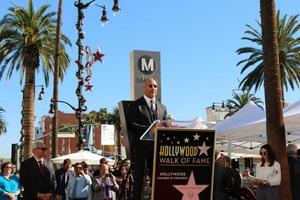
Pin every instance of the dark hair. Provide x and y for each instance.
(84, 164)
(103, 161)
(298, 153)
(77, 164)
(67, 160)
(4, 165)
(271, 155)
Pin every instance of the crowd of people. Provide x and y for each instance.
(38, 179)
(261, 183)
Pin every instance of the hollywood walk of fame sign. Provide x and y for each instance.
(183, 164)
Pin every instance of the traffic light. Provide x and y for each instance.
(14, 153)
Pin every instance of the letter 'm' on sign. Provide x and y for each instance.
(147, 66)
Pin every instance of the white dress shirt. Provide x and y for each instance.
(269, 173)
(148, 100)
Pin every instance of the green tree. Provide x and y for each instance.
(240, 99)
(273, 92)
(3, 123)
(27, 45)
(289, 54)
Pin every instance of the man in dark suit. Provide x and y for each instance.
(223, 183)
(62, 178)
(143, 112)
(38, 175)
(294, 167)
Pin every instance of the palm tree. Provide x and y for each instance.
(27, 45)
(289, 54)
(2, 122)
(273, 92)
(240, 99)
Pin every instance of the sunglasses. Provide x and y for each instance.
(263, 153)
(43, 148)
(152, 86)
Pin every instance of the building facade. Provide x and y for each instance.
(67, 140)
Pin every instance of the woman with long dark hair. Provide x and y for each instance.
(268, 175)
(9, 183)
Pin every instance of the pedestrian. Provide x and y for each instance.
(141, 114)
(62, 177)
(9, 183)
(37, 174)
(79, 184)
(294, 167)
(268, 175)
(223, 181)
(105, 186)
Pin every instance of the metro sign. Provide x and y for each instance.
(147, 64)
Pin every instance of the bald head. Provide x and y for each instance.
(291, 150)
(150, 88)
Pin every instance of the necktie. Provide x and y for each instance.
(41, 166)
(152, 106)
(152, 109)
(74, 188)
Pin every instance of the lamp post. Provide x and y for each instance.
(224, 107)
(79, 73)
(78, 115)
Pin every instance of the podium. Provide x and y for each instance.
(183, 164)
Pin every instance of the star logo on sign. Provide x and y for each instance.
(190, 191)
(196, 136)
(203, 149)
(186, 140)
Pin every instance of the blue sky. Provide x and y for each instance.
(197, 41)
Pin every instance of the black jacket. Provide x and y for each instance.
(33, 182)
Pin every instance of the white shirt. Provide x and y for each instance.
(148, 100)
(269, 173)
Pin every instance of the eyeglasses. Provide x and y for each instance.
(152, 86)
(42, 148)
(263, 153)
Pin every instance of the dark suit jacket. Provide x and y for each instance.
(294, 166)
(33, 182)
(139, 121)
(222, 182)
(61, 185)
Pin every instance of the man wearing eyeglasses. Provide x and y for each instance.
(37, 175)
(143, 112)
(79, 184)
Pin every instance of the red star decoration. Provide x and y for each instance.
(98, 56)
(88, 87)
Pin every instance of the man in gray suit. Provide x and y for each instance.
(142, 113)
(37, 175)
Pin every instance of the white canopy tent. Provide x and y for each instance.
(247, 127)
(83, 155)
(230, 131)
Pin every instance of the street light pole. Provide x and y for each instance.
(78, 116)
(79, 74)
